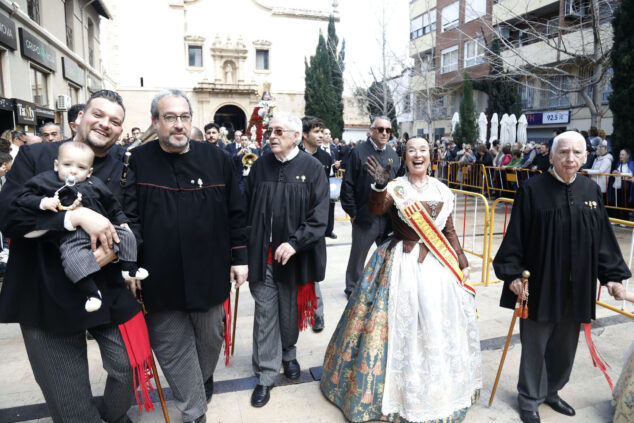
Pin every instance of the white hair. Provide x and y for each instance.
(377, 118)
(290, 122)
(575, 136)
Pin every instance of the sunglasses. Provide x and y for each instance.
(279, 131)
(380, 129)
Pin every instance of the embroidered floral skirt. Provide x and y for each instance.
(624, 392)
(354, 371)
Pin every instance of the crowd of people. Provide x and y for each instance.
(99, 223)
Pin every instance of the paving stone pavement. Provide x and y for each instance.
(587, 390)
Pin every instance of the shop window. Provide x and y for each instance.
(39, 87)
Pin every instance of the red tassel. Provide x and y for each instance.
(137, 344)
(597, 360)
(227, 306)
(306, 305)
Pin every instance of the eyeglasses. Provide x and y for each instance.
(279, 131)
(171, 119)
(380, 129)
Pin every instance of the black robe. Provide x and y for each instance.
(36, 291)
(290, 201)
(192, 225)
(562, 235)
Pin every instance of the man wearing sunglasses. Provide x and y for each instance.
(355, 192)
(287, 194)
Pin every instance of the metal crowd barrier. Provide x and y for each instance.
(615, 199)
(472, 248)
(504, 180)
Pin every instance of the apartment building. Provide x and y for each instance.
(548, 45)
(49, 59)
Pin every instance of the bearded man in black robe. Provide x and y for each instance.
(287, 194)
(193, 241)
(560, 232)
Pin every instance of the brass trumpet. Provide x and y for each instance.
(248, 159)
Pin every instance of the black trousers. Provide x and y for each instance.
(548, 353)
(60, 367)
(331, 219)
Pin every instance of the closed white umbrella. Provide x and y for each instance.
(512, 128)
(482, 127)
(504, 129)
(454, 121)
(494, 127)
(522, 123)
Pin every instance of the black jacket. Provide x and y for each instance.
(36, 291)
(355, 189)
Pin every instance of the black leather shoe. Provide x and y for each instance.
(562, 407)
(209, 388)
(261, 395)
(291, 369)
(529, 416)
(318, 326)
(201, 419)
(332, 236)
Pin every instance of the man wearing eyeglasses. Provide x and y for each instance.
(193, 240)
(355, 192)
(287, 194)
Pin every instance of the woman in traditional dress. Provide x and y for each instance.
(407, 347)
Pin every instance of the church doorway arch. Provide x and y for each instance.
(231, 117)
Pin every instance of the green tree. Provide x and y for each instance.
(622, 98)
(319, 93)
(336, 70)
(378, 102)
(324, 82)
(467, 130)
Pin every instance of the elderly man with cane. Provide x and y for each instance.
(555, 214)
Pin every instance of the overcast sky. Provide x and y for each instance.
(360, 25)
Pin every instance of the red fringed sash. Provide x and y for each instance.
(137, 344)
(597, 360)
(306, 305)
(306, 299)
(228, 340)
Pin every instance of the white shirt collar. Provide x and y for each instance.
(294, 152)
(559, 178)
(376, 147)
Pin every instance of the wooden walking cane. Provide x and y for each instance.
(156, 376)
(235, 319)
(522, 313)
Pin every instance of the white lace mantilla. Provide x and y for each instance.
(433, 360)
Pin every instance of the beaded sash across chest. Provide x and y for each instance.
(423, 224)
